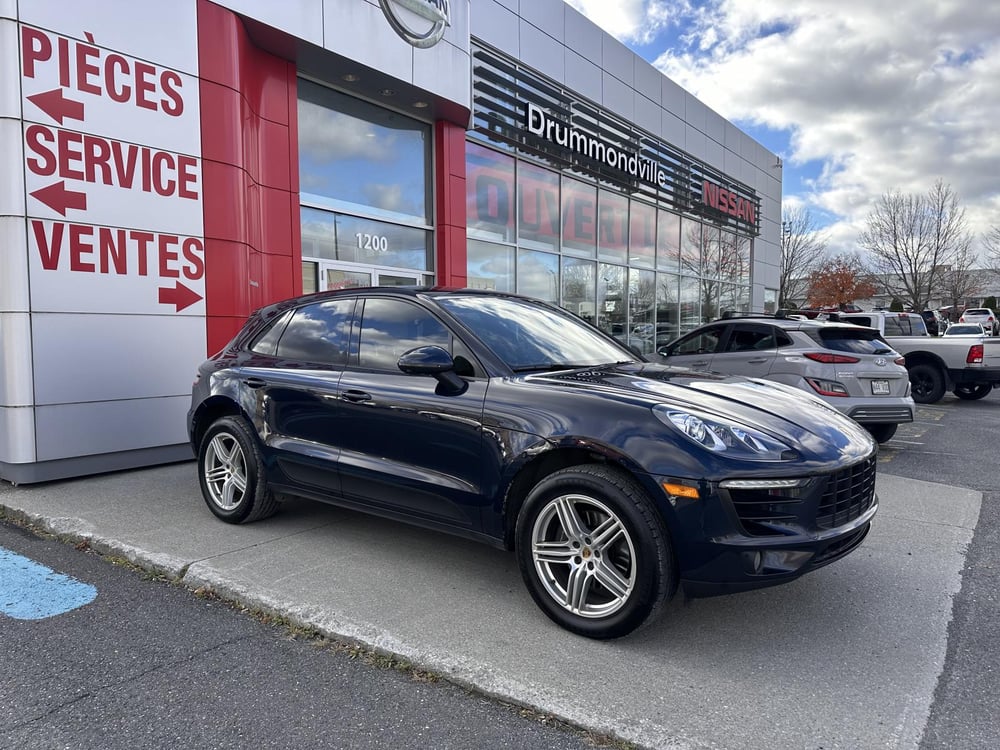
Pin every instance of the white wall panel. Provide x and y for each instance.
(165, 32)
(14, 266)
(71, 430)
(300, 18)
(17, 434)
(15, 359)
(10, 90)
(107, 357)
(11, 169)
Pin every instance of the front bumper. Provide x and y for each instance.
(744, 539)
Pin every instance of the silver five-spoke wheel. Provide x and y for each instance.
(225, 471)
(584, 556)
(232, 473)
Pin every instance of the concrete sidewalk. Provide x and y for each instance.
(847, 657)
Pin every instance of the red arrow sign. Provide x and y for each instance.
(180, 296)
(58, 198)
(57, 106)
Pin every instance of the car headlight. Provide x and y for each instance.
(728, 438)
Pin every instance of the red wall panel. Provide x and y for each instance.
(253, 250)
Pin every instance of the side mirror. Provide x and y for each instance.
(434, 361)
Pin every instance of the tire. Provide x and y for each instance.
(882, 432)
(231, 473)
(926, 384)
(599, 587)
(973, 392)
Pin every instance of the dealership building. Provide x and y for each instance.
(170, 167)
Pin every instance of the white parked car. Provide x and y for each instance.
(984, 316)
(965, 329)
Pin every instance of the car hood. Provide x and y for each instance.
(781, 410)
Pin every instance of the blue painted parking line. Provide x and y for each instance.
(31, 591)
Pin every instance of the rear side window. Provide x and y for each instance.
(856, 341)
(905, 325)
(751, 338)
(319, 333)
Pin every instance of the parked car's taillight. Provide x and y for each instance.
(975, 356)
(827, 387)
(831, 359)
(901, 361)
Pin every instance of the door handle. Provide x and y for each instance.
(255, 382)
(759, 361)
(357, 396)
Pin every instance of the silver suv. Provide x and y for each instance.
(851, 368)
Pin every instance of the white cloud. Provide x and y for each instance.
(630, 20)
(886, 96)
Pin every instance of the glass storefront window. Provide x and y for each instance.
(612, 313)
(689, 300)
(381, 243)
(667, 290)
(612, 227)
(360, 158)
(310, 277)
(538, 275)
(490, 266)
(333, 236)
(690, 246)
(711, 264)
(490, 194)
(770, 301)
(668, 241)
(319, 230)
(642, 235)
(579, 222)
(642, 310)
(537, 207)
(710, 290)
(579, 287)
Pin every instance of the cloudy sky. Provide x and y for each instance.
(857, 97)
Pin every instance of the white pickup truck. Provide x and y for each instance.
(968, 367)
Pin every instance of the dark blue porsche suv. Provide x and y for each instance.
(511, 421)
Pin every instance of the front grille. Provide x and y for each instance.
(848, 494)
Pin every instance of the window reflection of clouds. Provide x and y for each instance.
(391, 328)
(318, 333)
(490, 266)
(360, 157)
(524, 335)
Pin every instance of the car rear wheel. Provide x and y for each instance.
(231, 473)
(926, 384)
(594, 553)
(972, 392)
(882, 432)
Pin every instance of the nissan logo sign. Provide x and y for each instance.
(410, 19)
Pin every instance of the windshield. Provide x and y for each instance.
(958, 329)
(529, 336)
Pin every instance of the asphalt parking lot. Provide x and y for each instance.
(847, 657)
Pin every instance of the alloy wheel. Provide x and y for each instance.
(584, 556)
(225, 471)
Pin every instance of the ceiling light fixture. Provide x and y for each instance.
(350, 77)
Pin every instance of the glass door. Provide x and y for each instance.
(337, 276)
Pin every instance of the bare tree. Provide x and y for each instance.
(957, 282)
(803, 248)
(991, 244)
(911, 238)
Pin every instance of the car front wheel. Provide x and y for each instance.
(594, 552)
(231, 473)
